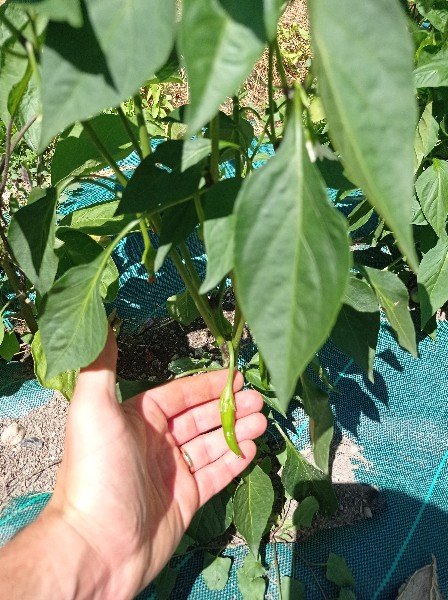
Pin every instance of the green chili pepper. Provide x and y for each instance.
(227, 406)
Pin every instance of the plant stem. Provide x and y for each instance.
(277, 570)
(236, 120)
(238, 326)
(15, 141)
(129, 131)
(281, 67)
(196, 371)
(214, 161)
(14, 282)
(271, 119)
(104, 153)
(199, 208)
(6, 159)
(200, 302)
(145, 143)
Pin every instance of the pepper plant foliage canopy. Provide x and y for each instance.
(70, 77)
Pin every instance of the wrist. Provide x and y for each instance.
(48, 559)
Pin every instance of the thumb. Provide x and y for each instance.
(97, 381)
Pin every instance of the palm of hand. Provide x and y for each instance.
(124, 485)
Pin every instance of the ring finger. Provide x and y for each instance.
(210, 446)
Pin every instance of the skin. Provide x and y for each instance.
(124, 494)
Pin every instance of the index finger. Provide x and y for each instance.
(181, 394)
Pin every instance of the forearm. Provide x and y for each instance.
(47, 560)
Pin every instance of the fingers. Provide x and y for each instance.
(199, 419)
(179, 395)
(207, 448)
(214, 477)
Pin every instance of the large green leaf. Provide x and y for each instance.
(432, 69)
(291, 260)
(432, 191)
(426, 136)
(433, 280)
(220, 41)
(212, 519)
(67, 11)
(394, 299)
(97, 220)
(219, 231)
(74, 323)
(31, 235)
(360, 296)
(356, 334)
(251, 582)
(321, 425)
(79, 248)
(9, 345)
(64, 382)
(76, 154)
(365, 81)
(338, 571)
(182, 308)
(252, 506)
(160, 182)
(216, 571)
(93, 67)
(301, 480)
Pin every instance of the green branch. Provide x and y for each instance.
(145, 142)
(108, 158)
(132, 137)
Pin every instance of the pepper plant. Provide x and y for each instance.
(70, 79)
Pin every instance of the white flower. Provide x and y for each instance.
(317, 151)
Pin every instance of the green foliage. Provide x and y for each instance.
(66, 88)
(252, 506)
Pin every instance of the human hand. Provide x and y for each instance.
(124, 489)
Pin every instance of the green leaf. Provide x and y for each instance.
(252, 507)
(365, 82)
(182, 308)
(78, 249)
(292, 588)
(393, 298)
(77, 85)
(433, 280)
(64, 382)
(432, 191)
(67, 11)
(164, 582)
(159, 182)
(304, 513)
(9, 346)
(216, 571)
(436, 12)
(2, 329)
(301, 480)
(356, 334)
(338, 571)
(220, 41)
(426, 136)
(74, 324)
(212, 519)
(291, 260)
(181, 365)
(252, 374)
(177, 224)
(432, 69)
(75, 153)
(219, 231)
(97, 220)
(272, 11)
(321, 425)
(127, 388)
(360, 296)
(346, 594)
(31, 235)
(251, 580)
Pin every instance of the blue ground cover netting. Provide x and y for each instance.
(400, 421)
